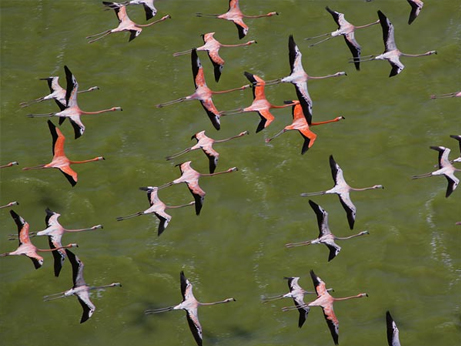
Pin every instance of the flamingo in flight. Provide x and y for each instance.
(55, 231)
(325, 235)
(58, 93)
(190, 304)
(80, 288)
(25, 245)
(391, 53)
(125, 23)
(9, 205)
(212, 47)
(72, 110)
(157, 207)
(190, 176)
(342, 189)
(10, 164)
(298, 77)
(445, 168)
(416, 7)
(392, 331)
(60, 160)
(148, 6)
(206, 144)
(444, 96)
(235, 15)
(202, 92)
(326, 301)
(347, 30)
(301, 124)
(259, 104)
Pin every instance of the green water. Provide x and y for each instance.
(409, 264)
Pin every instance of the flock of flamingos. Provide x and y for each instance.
(66, 99)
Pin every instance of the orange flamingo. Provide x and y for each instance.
(212, 47)
(391, 53)
(299, 77)
(445, 168)
(325, 235)
(326, 301)
(80, 288)
(347, 30)
(125, 23)
(190, 304)
(9, 205)
(10, 164)
(58, 93)
(443, 96)
(202, 92)
(302, 124)
(392, 331)
(25, 245)
(60, 160)
(259, 104)
(206, 144)
(416, 7)
(190, 176)
(148, 6)
(236, 16)
(55, 231)
(157, 207)
(342, 189)
(72, 110)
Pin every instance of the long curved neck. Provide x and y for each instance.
(363, 188)
(179, 206)
(220, 302)
(352, 236)
(99, 112)
(416, 55)
(57, 248)
(84, 229)
(230, 90)
(85, 161)
(326, 122)
(366, 25)
(216, 173)
(347, 298)
(238, 45)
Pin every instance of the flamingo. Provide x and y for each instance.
(80, 288)
(55, 231)
(326, 301)
(443, 96)
(58, 93)
(445, 168)
(9, 205)
(297, 294)
(60, 160)
(299, 77)
(72, 110)
(458, 138)
(212, 47)
(416, 7)
(392, 331)
(125, 23)
(342, 189)
(347, 30)
(190, 176)
(157, 207)
(190, 305)
(301, 124)
(25, 245)
(259, 104)
(202, 92)
(391, 53)
(236, 16)
(148, 6)
(325, 235)
(206, 144)
(10, 164)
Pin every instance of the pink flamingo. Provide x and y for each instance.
(190, 176)
(236, 16)
(206, 144)
(212, 47)
(325, 235)
(125, 23)
(60, 160)
(190, 304)
(301, 124)
(25, 245)
(202, 92)
(80, 288)
(157, 207)
(72, 110)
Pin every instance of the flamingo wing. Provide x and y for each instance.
(218, 64)
(309, 139)
(194, 325)
(305, 100)
(23, 228)
(354, 47)
(335, 15)
(349, 207)
(319, 285)
(322, 218)
(416, 7)
(164, 220)
(392, 331)
(58, 255)
(332, 322)
(77, 269)
(212, 112)
(199, 196)
(388, 32)
(458, 138)
(266, 119)
(149, 8)
(452, 184)
(334, 250)
(70, 174)
(213, 158)
(397, 66)
(71, 88)
(88, 307)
